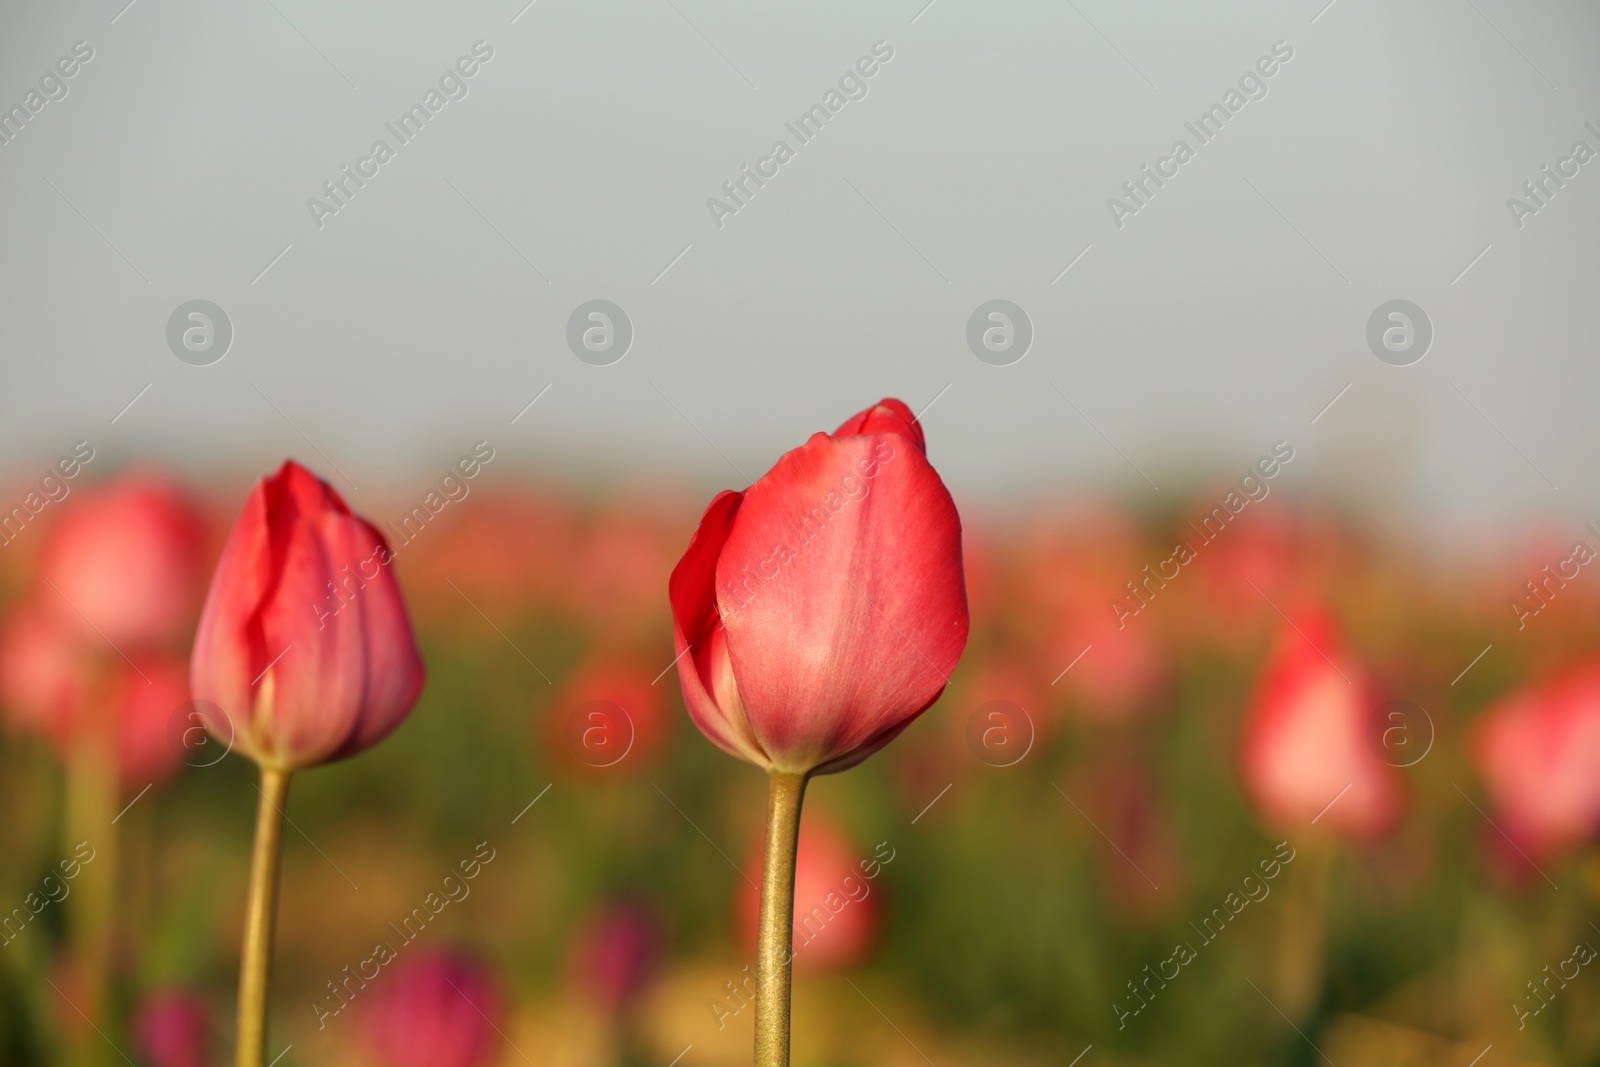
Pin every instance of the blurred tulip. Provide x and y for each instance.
(440, 1009)
(615, 954)
(304, 642)
(1115, 671)
(48, 681)
(144, 700)
(824, 607)
(610, 713)
(1305, 752)
(837, 911)
(44, 671)
(127, 555)
(1538, 750)
(174, 1029)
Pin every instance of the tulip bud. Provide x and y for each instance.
(304, 643)
(438, 1010)
(1305, 754)
(823, 607)
(1538, 750)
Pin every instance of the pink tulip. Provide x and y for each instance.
(837, 907)
(48, 685)
(437, 1010)
(145, 699)
(1538, 750)
(615, 955)
(44, 671)
(1305, 752)
(173, 1029)
(304, 642)
(127, 556)
(824, 607)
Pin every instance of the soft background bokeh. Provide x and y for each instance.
(1010, 905)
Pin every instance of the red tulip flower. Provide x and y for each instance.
(823, 608)
(304, 654)
(437, 1010)
(173, 1029)
(304, 642)
(127, 556)
(1305, 753)
(1538, 750)
(816, 614)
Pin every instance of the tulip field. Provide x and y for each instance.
(1087, 780)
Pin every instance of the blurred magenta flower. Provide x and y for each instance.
(304, 642)
(1538, 750)
(439, 1009)
(824, 607)
(1306, 751)
(127, 554)
(837, 898)
(616, 952)
(174, 1029)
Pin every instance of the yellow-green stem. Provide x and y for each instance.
(773, 954)
(1302, 942)
(90, 811)
(260, 916)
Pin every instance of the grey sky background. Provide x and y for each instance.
(1224, 316)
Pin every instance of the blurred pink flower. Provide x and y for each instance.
(1538, 750)
(614, 955)
(174, 1029)
(127, 555)
(1305, 751)
(145, 700)
(44, 671)
(439, 1009)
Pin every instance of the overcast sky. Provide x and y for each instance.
(577, 161)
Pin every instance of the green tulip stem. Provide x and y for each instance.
(261, 910)
(773, 954)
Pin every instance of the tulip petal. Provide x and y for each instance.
(705, 674)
